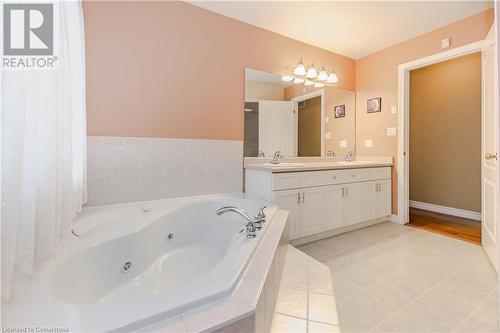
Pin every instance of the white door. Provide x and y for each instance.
(383, 198)
(290, 201)
(311, 210)
(350, 212)
(277, 121)
(333, 207)
(489, 150)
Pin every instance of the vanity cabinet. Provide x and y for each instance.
(320, 201)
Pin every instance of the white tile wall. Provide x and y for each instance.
(122, 169)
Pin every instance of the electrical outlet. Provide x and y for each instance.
(343, 143)
(368, 143)
(327, 120)
(391, 131)
(328, 135)
(394, 109)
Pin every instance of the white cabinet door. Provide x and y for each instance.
(311, 210)
(366, 201)
(351, 201)
(334, 207)
(383, 198)
(290, 201)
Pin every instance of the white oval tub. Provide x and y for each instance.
(134, 264)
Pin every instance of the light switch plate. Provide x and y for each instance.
(391, 131)
(368, 143)
(343, 143)
(394, 109)
(327, 120)
(328, 135)
(445, 43)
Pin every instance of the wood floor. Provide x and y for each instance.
(452, 226)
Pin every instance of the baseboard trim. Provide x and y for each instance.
(446, 210)
(395, 219)
(337, 231)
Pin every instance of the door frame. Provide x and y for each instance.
(316, 93)
(402, 165)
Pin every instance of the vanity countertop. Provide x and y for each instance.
(318, 166)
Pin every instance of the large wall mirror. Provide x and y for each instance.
(296, 120)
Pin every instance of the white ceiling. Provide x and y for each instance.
(350, 28)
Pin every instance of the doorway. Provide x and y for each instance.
(489, 137)
(310, 124)
(445, 147)
(309, 127)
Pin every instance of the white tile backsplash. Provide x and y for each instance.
(123, 169)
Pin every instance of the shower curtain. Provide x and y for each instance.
(43, 150)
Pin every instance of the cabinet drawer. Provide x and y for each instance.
(360, 175)
(382, 173)
(308, 179)
(284, 181)
(336, 177)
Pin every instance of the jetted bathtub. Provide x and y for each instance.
(129, 265)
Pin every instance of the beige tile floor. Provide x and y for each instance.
(305, 301)
(393, 278)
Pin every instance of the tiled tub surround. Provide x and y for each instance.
(126, 169)
(203, 279)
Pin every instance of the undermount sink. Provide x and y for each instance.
(284, 164)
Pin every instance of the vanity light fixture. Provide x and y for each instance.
(308, 83)
(300, 69)
(323, 75)
(298, 81)
(319, 85)
(287, 78)
(332, 78)
(311, 72)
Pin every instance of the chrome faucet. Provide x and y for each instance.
(261, 154)
(330, 153)
(252, 222)
(349, 157)
(276, 157)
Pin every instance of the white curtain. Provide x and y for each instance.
(43, 150)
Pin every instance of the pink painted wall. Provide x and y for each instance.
(171, 69)
(377, 76)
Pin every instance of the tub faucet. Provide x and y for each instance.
(330, 153)
(252, 221)
(276, 157)
(349, 157)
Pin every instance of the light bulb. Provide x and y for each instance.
(332, 78)
(300, 69)
(319, 85)
(308, 83)
(298, 81)
(311, 72)
(287, 78)
(323, 75)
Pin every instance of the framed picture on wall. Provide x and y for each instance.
(339, 111)
(374, 105)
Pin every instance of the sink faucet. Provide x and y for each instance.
(253, 223)
(349, 157)
(330, 153)
(261, 154)
(276, 157)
